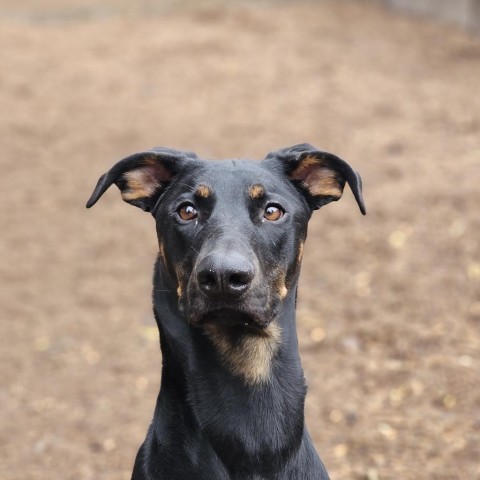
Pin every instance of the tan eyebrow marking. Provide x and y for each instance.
(256, 191)
(203, 191)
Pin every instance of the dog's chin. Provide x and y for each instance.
(230, 317)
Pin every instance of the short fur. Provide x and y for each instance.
(231, 402)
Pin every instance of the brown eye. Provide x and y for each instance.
(273, 213)
(187, 212)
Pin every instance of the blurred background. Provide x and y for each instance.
(389, 304)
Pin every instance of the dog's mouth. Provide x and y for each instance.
(232, 317)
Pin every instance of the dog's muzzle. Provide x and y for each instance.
(226, 288)
(224, 276)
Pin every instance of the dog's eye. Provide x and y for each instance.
(187, 212)
(273, 213)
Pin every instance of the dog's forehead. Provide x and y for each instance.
(231, 176)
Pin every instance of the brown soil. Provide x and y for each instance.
(389, 311)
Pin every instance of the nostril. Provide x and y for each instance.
(239, 280)
(207, 280)
(228, 275)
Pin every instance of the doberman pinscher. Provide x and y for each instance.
(230, 235)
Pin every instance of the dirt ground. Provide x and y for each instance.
(389, 304)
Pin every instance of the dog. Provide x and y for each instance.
(231, 236)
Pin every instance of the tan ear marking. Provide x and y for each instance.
(324, 182)
(319, 179)
(306, 164)
(141, 183)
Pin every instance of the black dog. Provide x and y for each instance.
(231, 234)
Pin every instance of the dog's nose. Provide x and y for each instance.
(228, 274)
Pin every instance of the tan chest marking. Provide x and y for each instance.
(249, 356)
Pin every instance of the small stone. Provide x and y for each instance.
(387, 431)
(351, 343)
(465, 360)
(457, 228)
(474, 309)
(397, 395)
(91, 356)
(336, 416)
(39, 447)
(417, 387)
(340, 450)
(473, 271)
(109, 444)
(141, 383)
(394, 365)
(41, 344)
(149, 333)
(397, 239)
(372, 474)
(317, 334)
(449, 401)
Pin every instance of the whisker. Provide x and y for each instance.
(190, 187)
(196, 251)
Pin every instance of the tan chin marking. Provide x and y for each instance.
(281, 287)
(249, 356)
(300, 253)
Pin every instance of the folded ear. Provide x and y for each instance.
(320, 175)
(142, 177)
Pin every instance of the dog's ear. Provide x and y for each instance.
(142, 177)
(320, 175)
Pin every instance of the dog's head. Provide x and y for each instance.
(231, 233)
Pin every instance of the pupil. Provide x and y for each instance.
(273, 213)
(187, 212)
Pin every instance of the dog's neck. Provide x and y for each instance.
(203, 378)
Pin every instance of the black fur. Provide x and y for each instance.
(231, 270)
